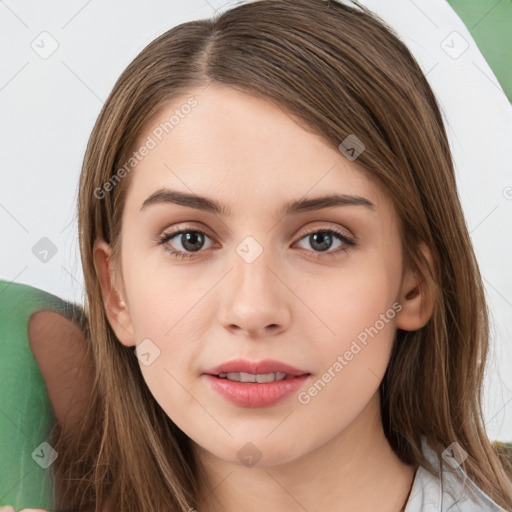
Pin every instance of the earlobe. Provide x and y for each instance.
(115, 307)
(416, 299)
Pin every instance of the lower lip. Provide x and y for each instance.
(256, 394)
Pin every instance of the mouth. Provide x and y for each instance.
(256, 384)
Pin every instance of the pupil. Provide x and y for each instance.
(323, 241)
(189, 239)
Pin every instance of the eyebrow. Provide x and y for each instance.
(164, 195)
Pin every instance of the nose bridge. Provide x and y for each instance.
(252, 263)
(253, 296)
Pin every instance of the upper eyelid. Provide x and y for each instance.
(183, 226)
(343, 231)
(179, 229)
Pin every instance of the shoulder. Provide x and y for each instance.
(451, 490)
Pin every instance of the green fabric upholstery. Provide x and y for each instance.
(489, 23)
(26, 415)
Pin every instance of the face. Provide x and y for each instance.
(317, 288)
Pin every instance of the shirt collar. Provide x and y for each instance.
(450, 490)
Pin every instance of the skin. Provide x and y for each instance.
(59, 347)
(294, 303)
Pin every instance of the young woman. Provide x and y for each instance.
(285, 308)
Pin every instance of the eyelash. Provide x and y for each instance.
(165, 237)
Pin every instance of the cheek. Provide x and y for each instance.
(353, 353)
(353, 329)
(169, 324)
(169, 317)
(346, 302)
(160, 296)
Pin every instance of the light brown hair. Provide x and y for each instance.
(340, 70)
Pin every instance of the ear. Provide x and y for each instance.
(416, 299)
(113, 296)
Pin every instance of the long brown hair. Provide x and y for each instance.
(340, 70)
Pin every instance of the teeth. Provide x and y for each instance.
(249, 377)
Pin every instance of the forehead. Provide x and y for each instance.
(233, 145)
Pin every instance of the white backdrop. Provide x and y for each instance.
(60, 61)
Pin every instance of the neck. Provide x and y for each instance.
(354, 470)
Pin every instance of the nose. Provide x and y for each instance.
(255, 298)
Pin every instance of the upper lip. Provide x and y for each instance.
(255, 367)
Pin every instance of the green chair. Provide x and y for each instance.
(26, 414)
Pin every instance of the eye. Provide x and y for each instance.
(321, 240)
(190, 240)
